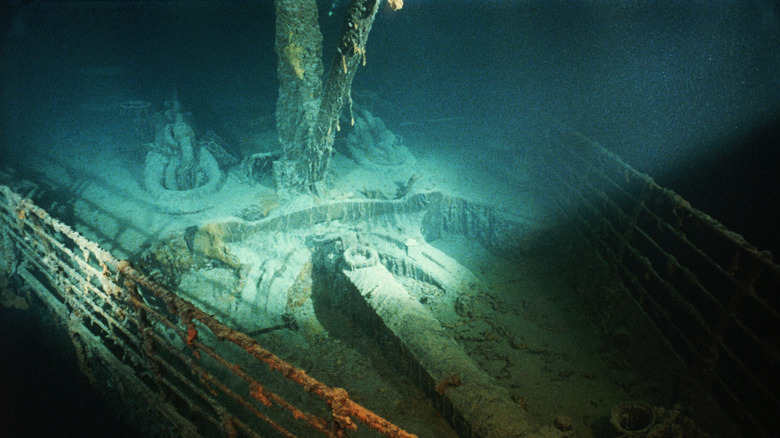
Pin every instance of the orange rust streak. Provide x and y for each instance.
(338, 399)
(192, 333)
(257, 393)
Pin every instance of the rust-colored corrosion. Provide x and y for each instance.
(315, 422)
(92, 288)
(453, 380)
(342, 407)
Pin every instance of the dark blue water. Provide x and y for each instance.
(42, 391)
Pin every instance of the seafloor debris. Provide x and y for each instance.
(641, 419)
(406, 188)
(266, 202)
(371, 143)
(372, 194)
(257, 166)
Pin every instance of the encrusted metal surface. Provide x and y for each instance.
(174, 355)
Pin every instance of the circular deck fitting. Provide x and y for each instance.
(360, 256)
(633, 418)
(159, 167)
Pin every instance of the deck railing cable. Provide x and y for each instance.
(198, 374)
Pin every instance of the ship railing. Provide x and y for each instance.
(133, 334)
(711, 294)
